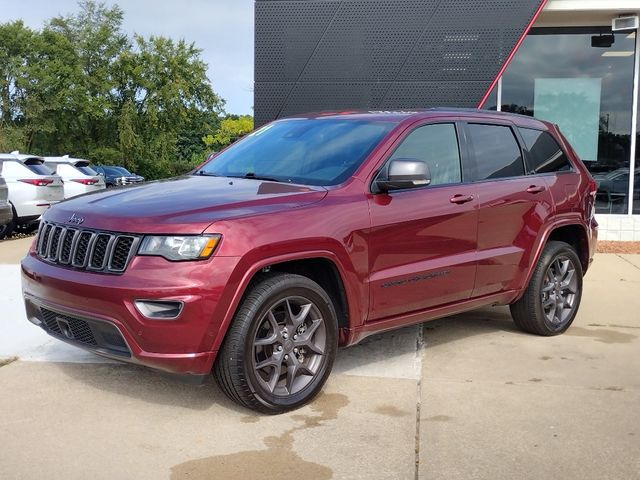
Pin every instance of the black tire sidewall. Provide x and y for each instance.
(321, 300)
(548, 257)
(7, 230)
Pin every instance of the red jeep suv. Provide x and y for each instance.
(314, 232)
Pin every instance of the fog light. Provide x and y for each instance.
(159, 309)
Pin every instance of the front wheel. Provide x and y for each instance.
(280, 348)
(550, 302)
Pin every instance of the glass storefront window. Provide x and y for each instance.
(557, 75)
(492, 100)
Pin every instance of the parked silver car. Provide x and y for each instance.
(6, 212)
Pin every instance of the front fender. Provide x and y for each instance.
(252, 263)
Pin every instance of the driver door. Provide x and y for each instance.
(422, 246)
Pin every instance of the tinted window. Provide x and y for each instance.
(318, 151)
(545, 155)
(122, 171)
(39, 169)
(87, 170)
(437, 146)
(496, 151)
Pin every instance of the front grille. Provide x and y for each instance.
(85, 249)
(96, 335)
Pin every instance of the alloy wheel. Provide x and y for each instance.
(289, 346)
(559, 291)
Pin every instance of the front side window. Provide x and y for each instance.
(437, 146)
(545, 155)
(318, 151)
(496, 152)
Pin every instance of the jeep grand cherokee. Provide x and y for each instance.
(312, 233)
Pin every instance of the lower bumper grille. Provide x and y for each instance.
(93, 334)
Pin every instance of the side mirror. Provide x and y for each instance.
(403, 173)
(101, 174)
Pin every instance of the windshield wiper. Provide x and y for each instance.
(253, 176)
(206, 174)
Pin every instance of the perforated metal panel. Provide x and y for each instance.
(339, 54)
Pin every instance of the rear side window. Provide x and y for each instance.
(496, 152)
(437, 146)
(545, 155)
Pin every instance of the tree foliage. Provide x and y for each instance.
(81, 86)
(231, 128)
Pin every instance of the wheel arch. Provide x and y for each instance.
(575, 235)
(570, 231)
(323, 267)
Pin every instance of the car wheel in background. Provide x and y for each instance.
(7, 230)
(280, 348)
(26, 228)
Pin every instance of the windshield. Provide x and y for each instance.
(121, 171)
(318, 151)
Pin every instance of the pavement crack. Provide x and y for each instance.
(419, 346)
(7, 361)
(630, 263)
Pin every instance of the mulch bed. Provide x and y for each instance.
(618, 247)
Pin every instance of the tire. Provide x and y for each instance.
(266, 363)
(26, 228)
(552, 298)
(7, 230)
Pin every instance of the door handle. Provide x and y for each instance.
(536, 189)
(460, 199)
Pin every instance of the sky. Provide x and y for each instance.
(223, 29)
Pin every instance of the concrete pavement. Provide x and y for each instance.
(464, 397)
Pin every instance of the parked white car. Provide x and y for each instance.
(33, 187)
(77, 175)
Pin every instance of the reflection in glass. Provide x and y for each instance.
(557, 75)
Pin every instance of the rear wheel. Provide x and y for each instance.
(280, 348)
(551, 300)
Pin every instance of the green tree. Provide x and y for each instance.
(16, 51)
(81, 86)
(231, 128)
(166, 83)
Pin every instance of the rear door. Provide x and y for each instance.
(513, 207)
(422, 244)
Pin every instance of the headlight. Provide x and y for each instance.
(187, 247)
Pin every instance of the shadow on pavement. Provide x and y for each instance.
(165, 389)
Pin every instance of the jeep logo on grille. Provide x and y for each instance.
(76, 219)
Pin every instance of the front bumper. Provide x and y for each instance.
(96, 311)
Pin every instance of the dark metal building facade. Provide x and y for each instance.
(315, 55)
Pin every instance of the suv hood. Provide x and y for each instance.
(183, 205)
